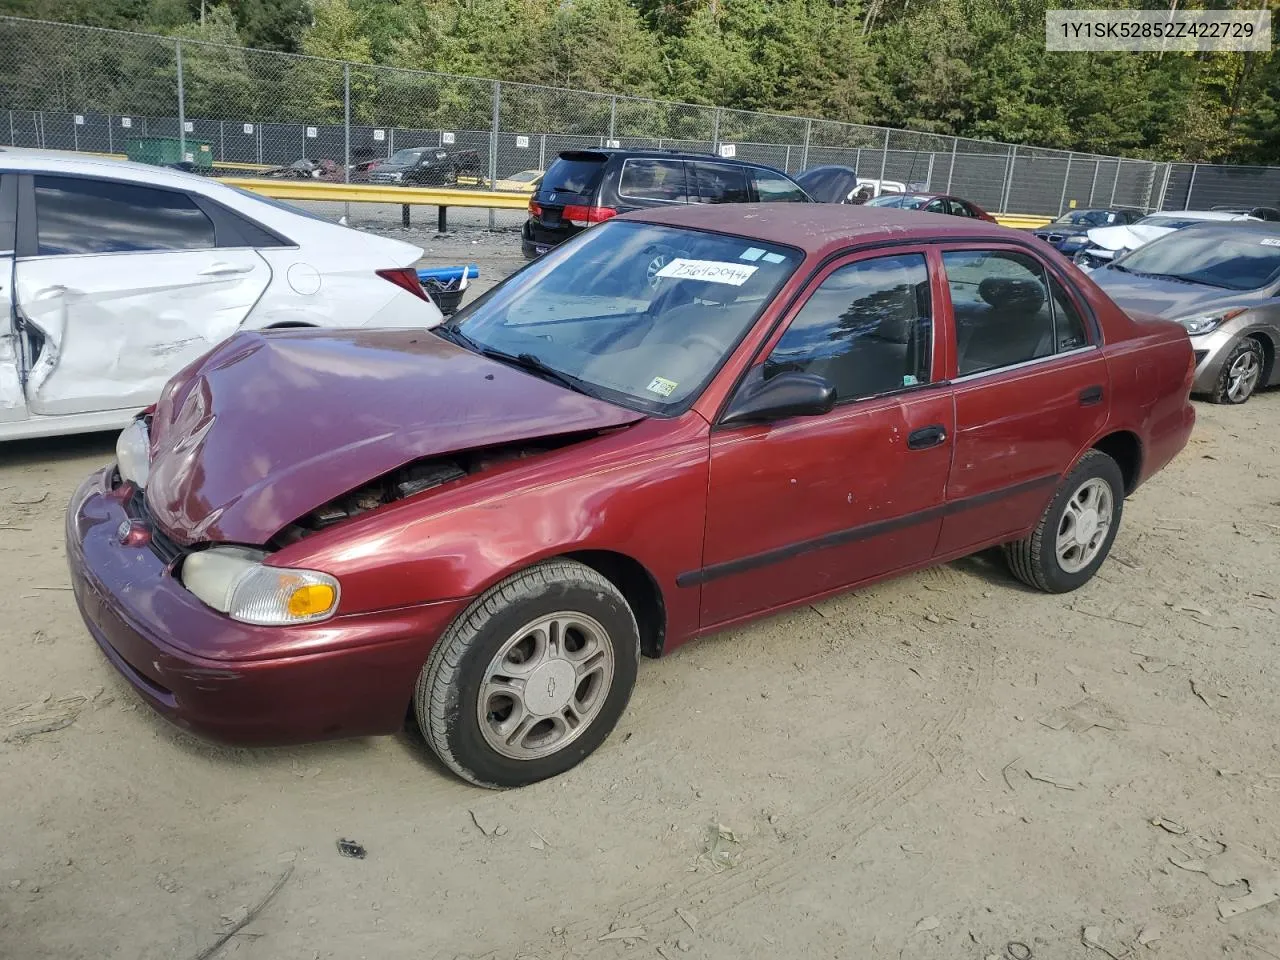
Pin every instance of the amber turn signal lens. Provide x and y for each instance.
(310, 600)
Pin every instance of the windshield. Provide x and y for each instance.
(406, 157)
(1175, 223)
(907, 202)
(1086, 218)
(1245, 261)
(639, 314)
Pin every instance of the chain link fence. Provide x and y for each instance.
(66, 87)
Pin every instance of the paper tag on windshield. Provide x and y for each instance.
(1270, 242)
(708, 271)
(662, 386)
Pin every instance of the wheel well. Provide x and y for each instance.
(640, 590)
(1268, 357)
(1126, 450)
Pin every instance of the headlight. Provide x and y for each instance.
(133, 453)
(1207, 323)
(234, 581)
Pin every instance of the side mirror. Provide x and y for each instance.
(788, 394)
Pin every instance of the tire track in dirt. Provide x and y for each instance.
(849, 812)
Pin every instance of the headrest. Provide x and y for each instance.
(1006, 293)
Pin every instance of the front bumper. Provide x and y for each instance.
(233, 682)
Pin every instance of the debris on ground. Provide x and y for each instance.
(1017, 950)
(689, 919)
(1149, 934)
(722, 847)
(1092, 937)
(624, 933)
(1153, 664)
(166, 883)
(58, 715)
(1212, 697)
(1050, 779)
(486, 824)
(349, 848)
(1238, 864)
(246, 919)
(684, 946)
(537, 843)
(1082, 716)
(1169, 826)
(927, 924)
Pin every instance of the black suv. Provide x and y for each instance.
(583, 187)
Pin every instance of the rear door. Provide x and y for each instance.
(13, 405)
(649, 182)
(1031, 390)
(119, 285)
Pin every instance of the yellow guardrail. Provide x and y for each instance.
(1021, 222)
(377, 193)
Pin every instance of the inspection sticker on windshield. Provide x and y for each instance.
(662, 386)
(751, 253)
(709, 271)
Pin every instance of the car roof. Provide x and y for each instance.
(89, 165)
(1265, 228)
(820, 228)
(608, 153)
(1198, 214)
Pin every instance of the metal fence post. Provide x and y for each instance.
(955, 143)
(1009, 161)
(110, 133)
(493, 145)
(542, 152)
(1065, 177)
(613, 118)
(1093, 185)
(808, 132)
(786, 164)
(1164, 186)
(346, 122)
(13, 134)
(715, 131)
(182, 107)
(884, 158)
(1115, 182)
(1191, 186)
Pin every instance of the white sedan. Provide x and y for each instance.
(114, 276)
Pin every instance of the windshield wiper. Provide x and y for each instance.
(1119, 266)
(535, 364)
(454, 335)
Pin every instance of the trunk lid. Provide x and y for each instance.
(574, 178)
(270, 426)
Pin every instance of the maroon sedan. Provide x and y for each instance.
(932, 203)
(313, 534)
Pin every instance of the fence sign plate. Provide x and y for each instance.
(248, 128)
(522, 143)
(728, 149)
(379, 135)
(312, 133)
(447, 138)
(126, 122)
(79, 119)
(188, 126)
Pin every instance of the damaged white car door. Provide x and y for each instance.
(127, 285)
(13, 405)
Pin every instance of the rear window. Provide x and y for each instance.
(576, 175)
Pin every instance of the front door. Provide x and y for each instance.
(811, 504)
(124, 287)
(1031, 392)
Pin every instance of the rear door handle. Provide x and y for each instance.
(1090, 396)
(222, 269)
(927, 437)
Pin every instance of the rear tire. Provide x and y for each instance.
(531, 678)
(1241, 373)
(1075, 531)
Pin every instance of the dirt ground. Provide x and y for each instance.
(935, 769)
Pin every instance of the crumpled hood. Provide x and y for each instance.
(1127, 237)
(270, 426)
(1171, 299)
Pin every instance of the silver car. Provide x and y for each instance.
(1221, 281)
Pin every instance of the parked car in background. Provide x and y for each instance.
(933, 203)
(1069, 233)
(837, 184)
(523, 182)
(425, 166)
(1258, 213)
(585, 187)
(1221, 282)
(114, 276)
(490, 523)
(1107, 243)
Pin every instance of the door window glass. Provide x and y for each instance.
(661, 180)
(866, 329)
(771, 188)
(1068, 325)
(76, 215)
(719, 183)
(1001, 305)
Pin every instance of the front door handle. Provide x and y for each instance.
(222, 269)
(1090, 396)
(927, 437)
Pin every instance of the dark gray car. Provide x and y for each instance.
(1221, 282)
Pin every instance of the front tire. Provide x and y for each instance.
(531, 678)
(1241, 373)
(1075, 531)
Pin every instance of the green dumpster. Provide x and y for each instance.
(167, 151)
